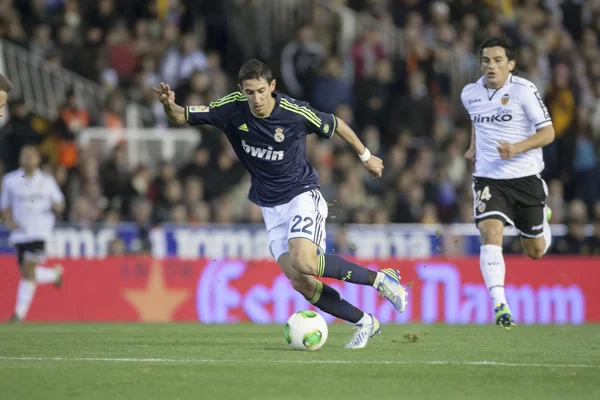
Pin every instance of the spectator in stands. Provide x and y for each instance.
(121, 53)
(199, 166)
(173, 195)
(574, 241)
(556, 201)
(141, 213)
(137, 187)
(114, 175)
(365, 54)
(180, 62)
(42, 41)
(73, 118)
(193, 191)
(166, 172)
(415, 110)
(374, 96)
(18, 132)
(592, 243)
(178, 214)
(300, 62)
(330, 88)
(116, 248)
(66, 47)
(200, 213)
(103, 16)
(561, 103)
(113, 116)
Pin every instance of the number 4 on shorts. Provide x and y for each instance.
(483, 195)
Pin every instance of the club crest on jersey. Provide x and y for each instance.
(279, 136)
(198, 109)
(505, 99)
(481, 207)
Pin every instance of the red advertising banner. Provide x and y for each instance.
(442, 290)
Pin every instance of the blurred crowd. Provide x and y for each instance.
(400, 102)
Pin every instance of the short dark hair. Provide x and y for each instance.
(255, 69)
(5, 84)
(499, 41)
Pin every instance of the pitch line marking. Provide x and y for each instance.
(220, 361)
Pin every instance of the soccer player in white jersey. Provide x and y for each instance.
(510, 125)
(28, 201)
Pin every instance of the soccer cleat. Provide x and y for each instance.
(363, 333)
(548, 213)
(503, 316)
(390, 288)
(59, 276)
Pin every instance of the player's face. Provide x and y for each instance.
(30, 158)
(496, 66)
(258, 92)
(3, 97)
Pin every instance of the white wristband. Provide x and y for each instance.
(365, 156)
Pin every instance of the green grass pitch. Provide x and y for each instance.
(193, 361)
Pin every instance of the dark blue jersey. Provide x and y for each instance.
(273, 148)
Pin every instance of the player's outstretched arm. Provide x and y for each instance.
(372, 163)
(166, 96)
(543, 137)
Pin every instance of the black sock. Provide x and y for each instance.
(336, 267)
(330, 301)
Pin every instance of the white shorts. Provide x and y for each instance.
(303, 217)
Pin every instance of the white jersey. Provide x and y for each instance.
(512, 114)
(30, 199)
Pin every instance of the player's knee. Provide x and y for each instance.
(28, 270)
(492, 233)
(535, 252)
(303, 262)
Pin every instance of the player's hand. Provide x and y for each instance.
(375, 166)
(11, 225)
(507, 150)
(165, 95)
(470, 157)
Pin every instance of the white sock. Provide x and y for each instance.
(45, 275)
(493, 269)
(380, 276)
(25, 293)
(547, 235)
(366, 319)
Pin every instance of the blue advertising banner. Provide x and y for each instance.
(249, 241)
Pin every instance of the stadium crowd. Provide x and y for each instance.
(401, 107)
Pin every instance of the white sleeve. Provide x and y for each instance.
(55, 193)
(534, 107)
(5, 195)
(464, 96)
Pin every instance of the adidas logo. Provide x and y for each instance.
(243, 128)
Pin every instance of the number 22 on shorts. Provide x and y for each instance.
(303, 225)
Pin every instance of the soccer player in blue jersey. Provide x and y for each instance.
(268, 133)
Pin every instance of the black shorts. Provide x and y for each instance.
(519, 202)
(35, 251)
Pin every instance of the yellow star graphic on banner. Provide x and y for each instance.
(156, 303)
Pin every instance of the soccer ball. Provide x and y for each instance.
(306, 330)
